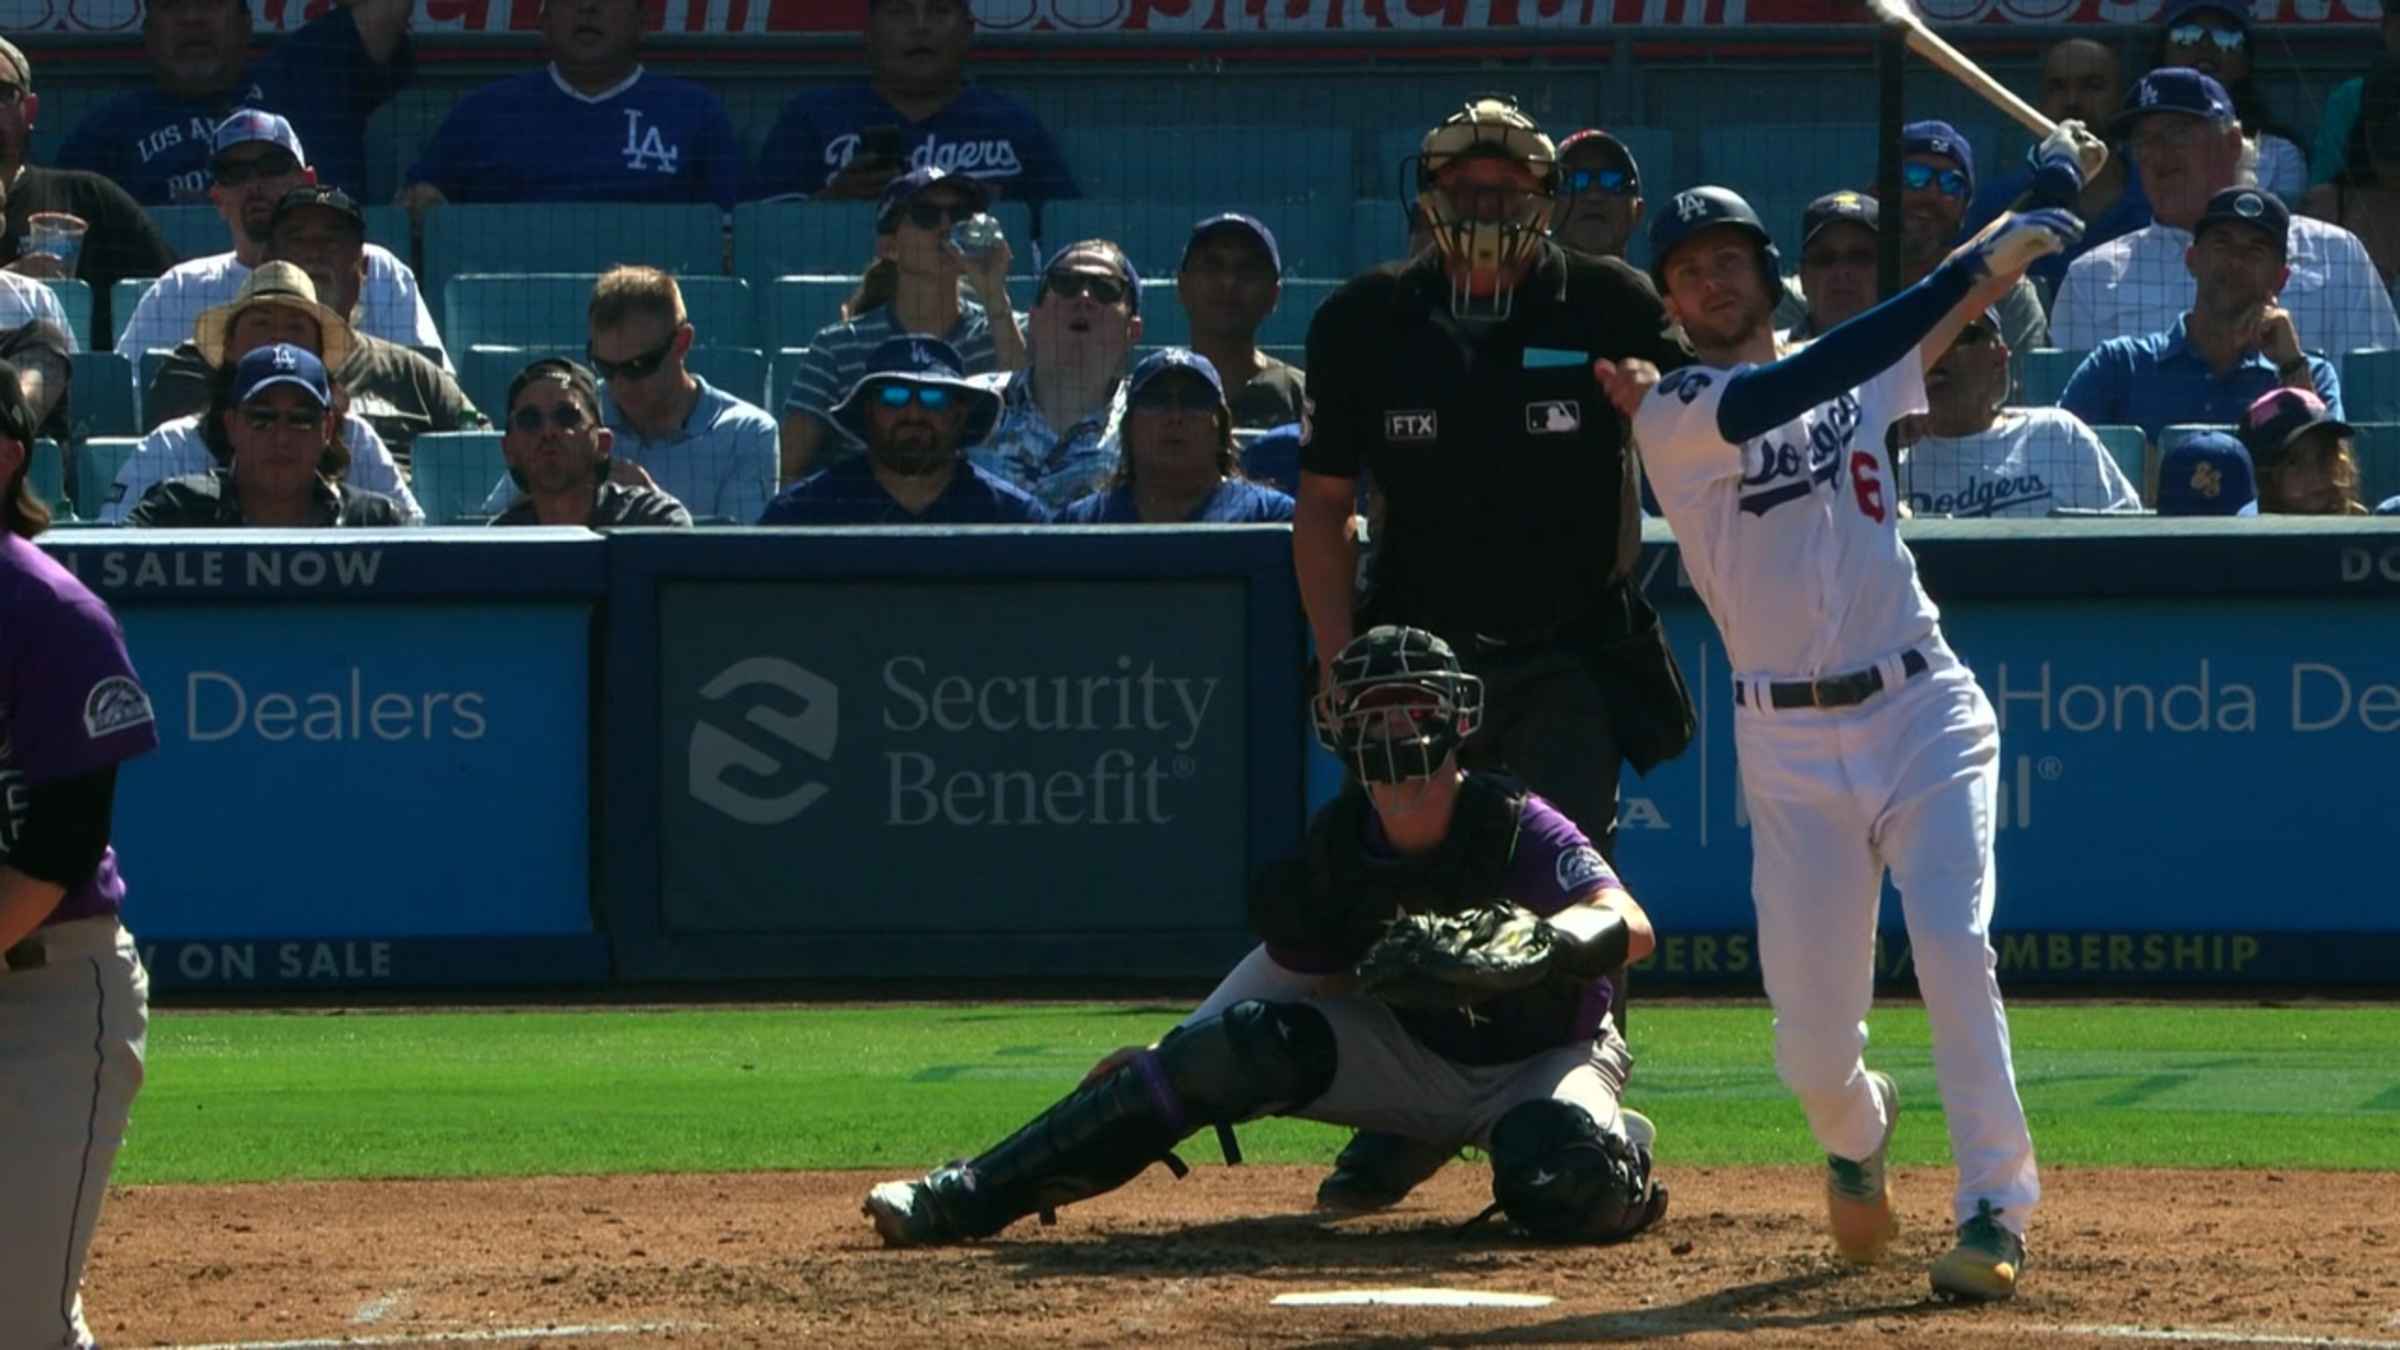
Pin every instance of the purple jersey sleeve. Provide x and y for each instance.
(1555, 862)
(69, 700)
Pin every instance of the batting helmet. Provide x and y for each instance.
(1696, 209)
(1398, 703)
(1481, 246)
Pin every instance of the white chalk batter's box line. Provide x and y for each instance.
(494, 1336)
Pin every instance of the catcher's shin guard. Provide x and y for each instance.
(1558, 1175)
(1254, 1057)
(1376, 1171)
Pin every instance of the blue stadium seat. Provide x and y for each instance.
(453, 471)
(739, 371)
(780, 239)
(100, 401)
(122, 297)
(1781, 169)
(779, 380)
(96, 463)
(1378, 231)
(75, 297)
(1313, 236)
(1164, 323)
(571, 237)
(795, 307)
(485, 369)
(547, 309)
(192, 231)
(1245, 168)
(2040, 374)
(46, 476)
(390, 227)
(2127, 446)
(2378, 447)
(2371, 385)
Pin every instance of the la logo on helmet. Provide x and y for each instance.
(1690, 206)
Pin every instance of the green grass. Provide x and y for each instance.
(268, 1096)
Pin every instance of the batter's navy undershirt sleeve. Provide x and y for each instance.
(1761, 398)
(66, 827)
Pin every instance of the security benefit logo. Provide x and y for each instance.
(765, 762)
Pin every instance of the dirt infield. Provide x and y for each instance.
(785, 1260)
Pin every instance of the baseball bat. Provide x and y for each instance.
(1923, 42)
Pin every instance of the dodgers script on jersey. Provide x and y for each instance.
(1791, 538)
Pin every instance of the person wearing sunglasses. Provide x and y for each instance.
(2179, 127)
(558, 456)
(915, 410)
(1060, 416)
(1969, 455)
(284, 458)
(1937, 183)
(258, 162)
(1180, 466)
(911, 285)
(2215, 38)
(1599, 202)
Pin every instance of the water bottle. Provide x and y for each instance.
(976, 236)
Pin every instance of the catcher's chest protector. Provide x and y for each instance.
(1469, 868)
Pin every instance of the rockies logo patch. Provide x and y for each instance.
(115, 704)
(1579, 869)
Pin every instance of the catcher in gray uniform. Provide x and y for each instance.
(1436, 963)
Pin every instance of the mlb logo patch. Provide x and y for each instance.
(1412, 425)
(1555, 417)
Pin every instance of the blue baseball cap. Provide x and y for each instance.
(254, 124)
(1940, 138)
(281, 363)
(1840, 208)
(2390, 506)
(925, 362)
(2208, 475)
(2260, 211)
(1168, 360)
(2173, 89)
(2177, 9)
(1235, 221)
(904, 189)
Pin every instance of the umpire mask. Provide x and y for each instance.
(1486, 232)
(1398, 704)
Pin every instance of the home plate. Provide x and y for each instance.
(1413, 1298)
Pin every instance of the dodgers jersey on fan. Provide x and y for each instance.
(982, 133)
(1792, 538)
(532, 138)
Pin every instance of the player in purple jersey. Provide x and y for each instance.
(1532, 1076)
(74, 999)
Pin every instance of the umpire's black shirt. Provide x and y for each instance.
(1500, 459)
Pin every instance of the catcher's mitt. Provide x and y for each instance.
(1451, 960)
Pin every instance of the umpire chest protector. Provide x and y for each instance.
(1500, 460)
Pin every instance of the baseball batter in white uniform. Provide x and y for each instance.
(1864, 743)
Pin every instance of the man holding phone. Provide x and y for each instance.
(915, 111)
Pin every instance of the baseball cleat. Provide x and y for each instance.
(1985, 1262)
(1377, 1171)
(912, 1213)
(1858, 1195)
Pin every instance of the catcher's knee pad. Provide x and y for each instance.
(1253, 1058)
(1558, 1175)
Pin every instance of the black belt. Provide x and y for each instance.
(28, 955)
(1835, 691)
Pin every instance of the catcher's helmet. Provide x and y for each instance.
(1397, 705)
(1695, 209)
(1482, 246)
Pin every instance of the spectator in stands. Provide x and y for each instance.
(1229, 281)
(2332, 150)
(2213, 37)
(1599, 202)
(2179, 126)
(2306, 457)
(36, 340)
(400, 393)
(258, 162)
(328, 78)
(592, 125)
(916, 111)
(1937, 180)
(915, 411)
(2082, 80)
(1180, 466)
(273, 426)
(119, 239)
(911, 285)
(2364, 196)
(2234, 344)
(277, 304)
(558, 456)
(2207, 475)
(1839, 236)
(1060, 416)
(1972, 457)
(672, 430)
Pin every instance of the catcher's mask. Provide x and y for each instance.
(1398, 704)
(1485, 234)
